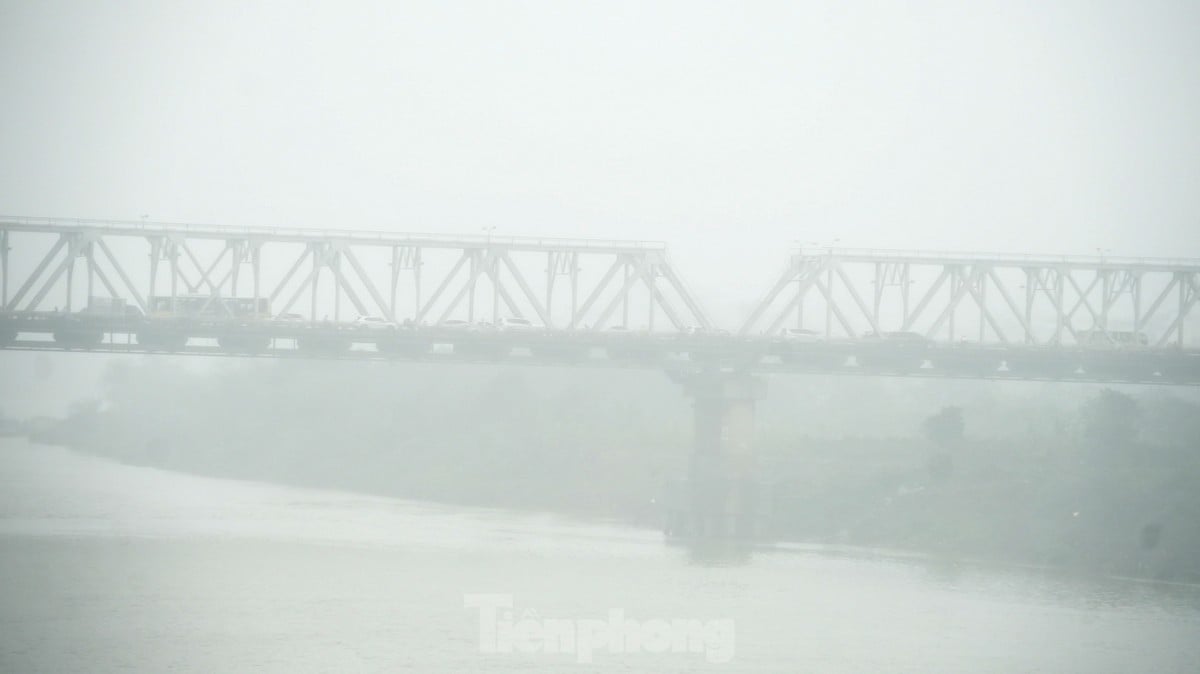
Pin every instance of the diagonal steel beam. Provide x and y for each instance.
(1061, 319)
(67, 262)
(104, 281)
(1175, 279)
(689, 300)
(304, 255)
(601, 286)
(542, 311)
(1083, 298)
(492, 270)
(445, 283)
(1030, 338)
(467, 287)
(803, 286)
(833, 307)
(367, 283)
(837, 268)
(343, 283)
(658, 297)
(199, 268)
(308, 281)
(622, 295)
(112, 259)
(790, 274)
(37, 272)
(926, 298)
(949, 309)
(1189, 293)
(977, 295)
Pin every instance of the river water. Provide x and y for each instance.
(112, 568)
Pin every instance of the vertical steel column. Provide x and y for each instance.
(625, 295)
(155, 253)
(495, 275)
(237, 257)
(395, 275)
(955, 282)
(1185, 282)
(879, 281)
(256, 268)
(416, 267)
(316, 280)
(3, 268)
(982, 305)
(474, 276)
(72, 251)
(91, 271)
(801, 290)
(1060, 299)
(336, 266)
(173, 252)
(1137, 301)
(650, 281)
(1106, 299)
(829, 299)
(574, 289)
(1030, 289)
(551, 275)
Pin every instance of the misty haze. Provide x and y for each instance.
(599, 337)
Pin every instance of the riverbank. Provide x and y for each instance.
(1044, 480)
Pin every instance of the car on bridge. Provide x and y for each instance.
(517, 324)
(898, 337)
(373, 323)
(800, 335)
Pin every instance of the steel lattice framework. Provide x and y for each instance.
(563, 283)
(988, 298)
(141, 287)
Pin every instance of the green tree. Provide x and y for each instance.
(1111, 420)
(946, 427)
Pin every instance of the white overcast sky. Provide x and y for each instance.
(729, 130)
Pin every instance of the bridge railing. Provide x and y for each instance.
(355, 236)
(1015, 259)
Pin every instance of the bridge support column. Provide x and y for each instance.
(721, 496)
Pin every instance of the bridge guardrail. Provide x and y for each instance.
(1015, 259)
(359, 236)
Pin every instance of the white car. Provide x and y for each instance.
(800, 335)
(517, 324)
(373, 323)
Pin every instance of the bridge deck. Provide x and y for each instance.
(432, 344)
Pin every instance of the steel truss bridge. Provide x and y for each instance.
(149, 287)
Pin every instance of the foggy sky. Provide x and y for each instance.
(730, 131)
(1049, 127)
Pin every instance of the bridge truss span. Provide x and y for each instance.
(143, 287)
(336, 274)
(983, 298)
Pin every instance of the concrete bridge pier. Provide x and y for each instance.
(721, 497)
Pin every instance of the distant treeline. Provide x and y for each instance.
(1066, 475)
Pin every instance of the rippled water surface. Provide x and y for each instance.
(112, 568)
